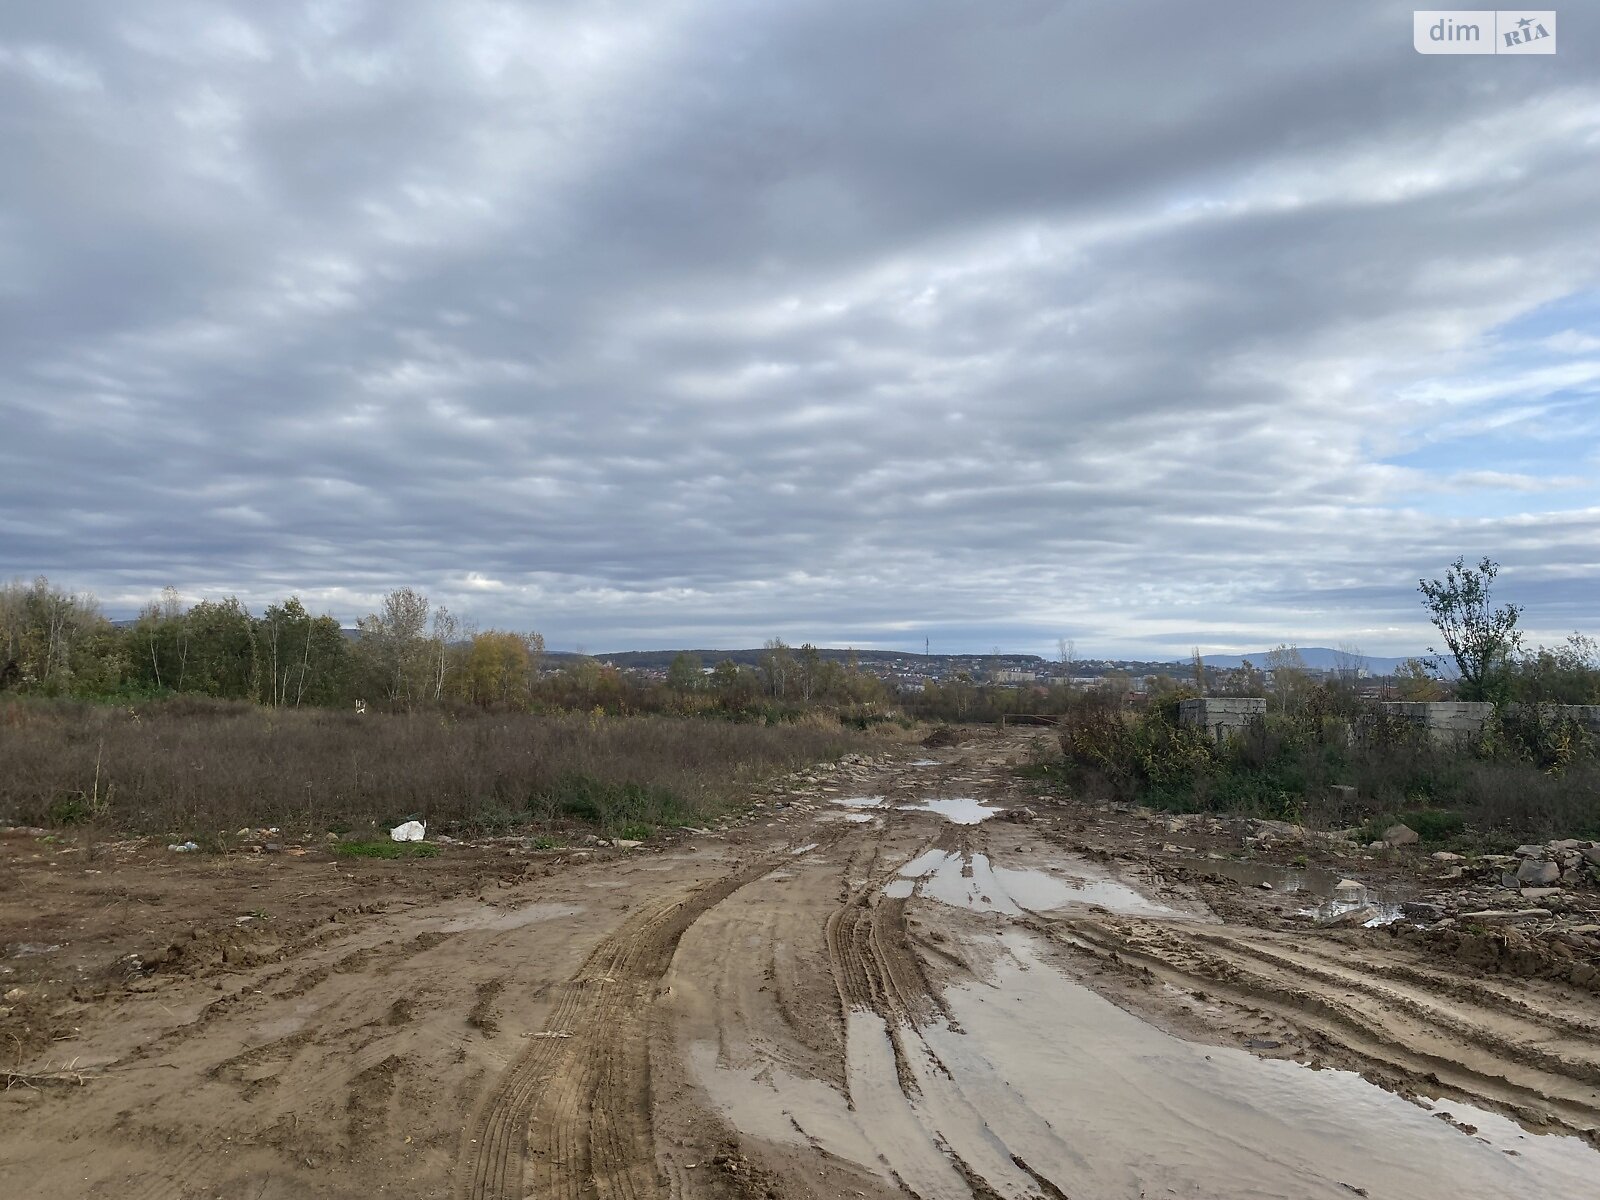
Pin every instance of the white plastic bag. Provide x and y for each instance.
(411, 831)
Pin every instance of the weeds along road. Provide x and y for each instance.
(880, 984)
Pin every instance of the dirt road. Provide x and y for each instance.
(879, 984)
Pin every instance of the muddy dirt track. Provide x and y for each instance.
(878, 985)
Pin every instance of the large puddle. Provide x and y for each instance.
(961, 810)
(971, 881)
(1041, 1087)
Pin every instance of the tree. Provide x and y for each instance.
(303, 659)
(736, 686)
(777, 667)
(685, 675)
(284, 637)
(1413, 680)
(54, 641)
(222, 649)
(161, 641)
(395, 651)
(1348, 663)
(1567, 674)
(1067, 655)
(1480, 639)
(1290, 676)
(501, 668)
(808, 672)
(441, 647)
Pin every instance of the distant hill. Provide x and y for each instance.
(1318, 658)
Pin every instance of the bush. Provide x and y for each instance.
(1527, 779)
(1432, 825)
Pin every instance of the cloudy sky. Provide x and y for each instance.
(703, 321)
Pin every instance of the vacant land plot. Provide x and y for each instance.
(904, 975)
(204, 768)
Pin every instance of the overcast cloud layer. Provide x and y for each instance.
(643, 324)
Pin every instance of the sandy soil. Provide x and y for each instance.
(879, 983)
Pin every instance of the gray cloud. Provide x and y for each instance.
(709, 321)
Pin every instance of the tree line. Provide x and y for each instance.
(59, 643)
(407, 654)
(410, 653)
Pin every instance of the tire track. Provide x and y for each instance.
(1347, 1011)
(573, 1110)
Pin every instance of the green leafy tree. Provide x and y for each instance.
(1564, 674)
(685, 675)
(222, 649)
(159, 643)
(54, 641)
(1481, 639)
(302, 659)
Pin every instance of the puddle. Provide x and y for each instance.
(923, 762)
(1035, 1069)
(951, 878)
(510, 918)
(806, 849)
(959, 810)
(1316, 888)
(858, 801)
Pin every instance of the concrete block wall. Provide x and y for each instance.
(1587, 715)
(1222, 716)
(1444, 720)
(1451, 720)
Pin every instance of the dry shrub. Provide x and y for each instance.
(191, 765)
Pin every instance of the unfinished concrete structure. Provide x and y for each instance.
(1443, 720)
(1222, 716)
(1460, 720)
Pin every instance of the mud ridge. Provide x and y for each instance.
(572, 1111)
(1400, 1041)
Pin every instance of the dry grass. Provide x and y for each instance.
(198, 768)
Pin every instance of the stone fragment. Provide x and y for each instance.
(1356, 916)
(1505, 916)
(1538, 874)
(1400, 835)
